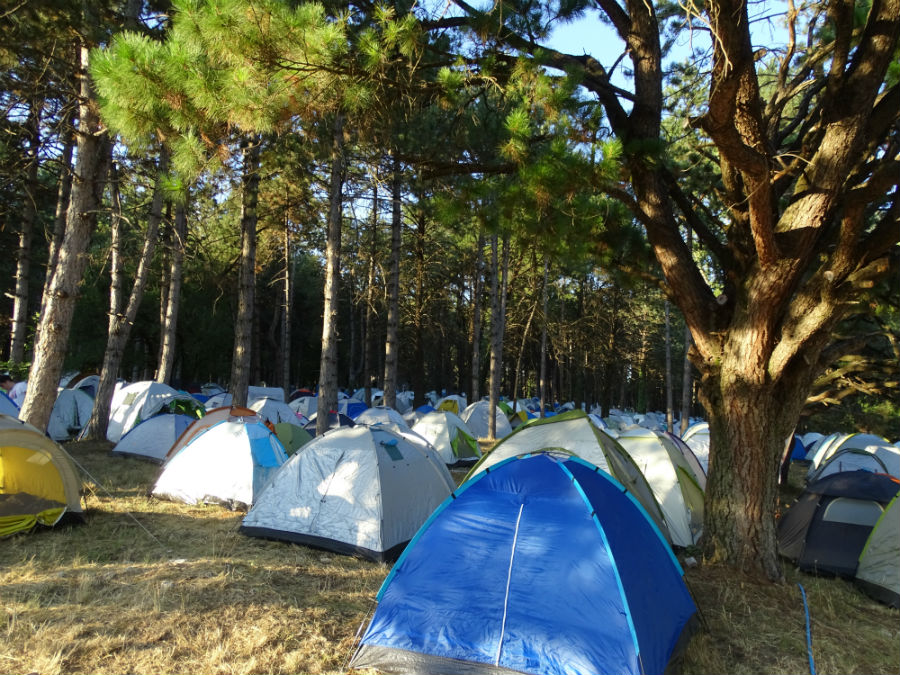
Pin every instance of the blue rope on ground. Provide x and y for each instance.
(812, 666)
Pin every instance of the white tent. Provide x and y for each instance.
(357, 490)
(153, 438)
(276, 411)
(228, 463)
(672, 480)
(834, 443)
(450, 436)
(136, 402)
(875, 458)
(380, 415)
(453, 403)
(305, 405)
(70, 414)
(477, 417)
(697, 439)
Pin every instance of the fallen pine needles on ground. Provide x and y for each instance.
(154, 587)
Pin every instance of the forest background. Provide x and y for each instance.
(429, 197)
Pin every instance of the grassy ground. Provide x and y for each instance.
(147, 586)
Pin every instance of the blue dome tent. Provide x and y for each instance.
(542, 564)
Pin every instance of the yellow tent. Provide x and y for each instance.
(38, 482)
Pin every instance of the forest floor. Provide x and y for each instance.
(153, 587)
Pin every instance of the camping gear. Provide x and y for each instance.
(227, 463)
(139, 401)
(379, 415)
(70, 414)
(834, 443)
(573, 432)
(477, 417)
(38, 481)
(878, 573)
(453, 440)
(544, 565)
(357, 490)
(210, 418)
(826, 528)
(672, 480)
(153, 438)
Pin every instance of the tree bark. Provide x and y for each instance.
(240, 364)
(392, 342)
(670, 394)
(64, 191)
(27, 222)
(475, 392)
(59, 305)
(120, 323)
(369, 329)
(173, 296)
(498, 324)
(328, 366)
(418, 372)
(544, 319)
(288, 311)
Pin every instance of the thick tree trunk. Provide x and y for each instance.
(328, 365)
(59, 305)
(173, 296)
(240, 364)
(120, 323)
(748, 426)
(392, 342)
(27, 222)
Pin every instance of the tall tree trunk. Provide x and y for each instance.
(240, 364)
(670, 395)
(392, 342)
(27, 222)
(369, 341)
(476, 320)
(686, 384)
(498, 324)
(173, 295)
(544, 320)
(120, 323)
(59, 306)
(63, 193)
(288, 311)
(418, 372)
(328, 365)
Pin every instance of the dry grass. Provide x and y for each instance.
(183, 592)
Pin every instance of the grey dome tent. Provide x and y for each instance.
(826, 529)
(878, 573)
(360, 490)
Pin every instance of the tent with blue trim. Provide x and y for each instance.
(543, 564)
(227, 463)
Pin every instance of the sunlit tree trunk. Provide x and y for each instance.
(542, 380)
(392, 341)
(173, 296)
(240, 364)
(328, 365)
(121, 322)
(59, 305)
